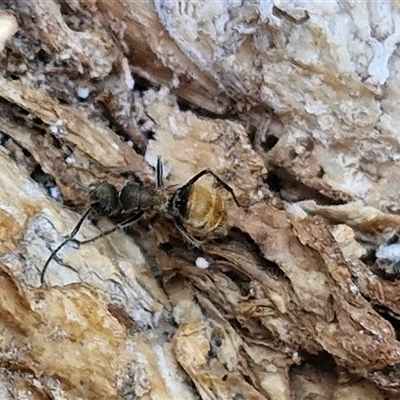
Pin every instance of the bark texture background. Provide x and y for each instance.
(295, 106)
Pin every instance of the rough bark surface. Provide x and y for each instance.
(292, 105)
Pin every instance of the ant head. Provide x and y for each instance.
(104, 199)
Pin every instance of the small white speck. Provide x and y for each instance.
(176, 131)
(150, 158)
(147, 126)
(296, 210)
(353, 288)
(83, 92)
(70, 159)
(296, 358)
(115, 146)
(202, 263)
(175, 81)
(129, 81)
(389, 252)
(271, 368)
(129, 143)
(55, 193)
(157, 317)
(57, 128)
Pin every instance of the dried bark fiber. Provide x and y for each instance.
(296, 302)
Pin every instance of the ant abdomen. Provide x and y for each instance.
(206, 209)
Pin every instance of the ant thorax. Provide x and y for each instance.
(159, 200)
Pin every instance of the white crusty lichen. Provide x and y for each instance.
(8, 28)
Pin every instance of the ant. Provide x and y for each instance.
(199, 206)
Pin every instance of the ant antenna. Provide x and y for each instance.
(159, 173)
(71, 236)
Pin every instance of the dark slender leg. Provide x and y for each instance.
(216, 177)
(159, 173)
(182, 230)
(121, 225)
(71, 236)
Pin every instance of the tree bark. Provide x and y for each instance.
(293, 106)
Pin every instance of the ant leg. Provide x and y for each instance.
(216, 177)
(71, 236)
(125, 223)
(186, 235)
(159, 173)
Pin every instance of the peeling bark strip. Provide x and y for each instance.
(300, 296)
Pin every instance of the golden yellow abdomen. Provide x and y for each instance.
(206, 209)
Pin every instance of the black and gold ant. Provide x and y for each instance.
(201, 207)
